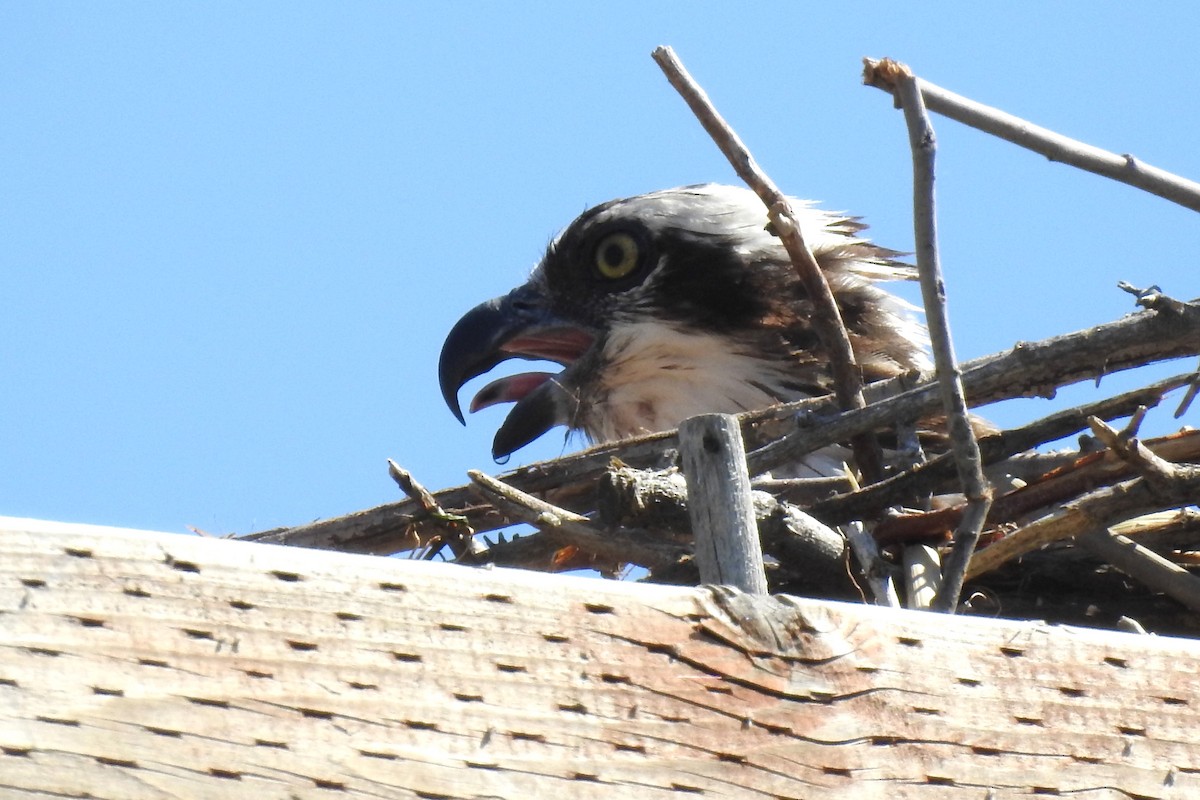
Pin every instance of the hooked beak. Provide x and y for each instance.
(517, 325)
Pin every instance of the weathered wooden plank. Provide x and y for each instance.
(146, 665)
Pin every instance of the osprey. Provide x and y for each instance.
(676, 303)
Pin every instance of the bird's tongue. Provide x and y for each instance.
(542, 401)
(509, 389)
(561, 344)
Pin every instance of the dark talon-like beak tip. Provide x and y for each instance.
(544, 408)
(471, 349)
(450, 386)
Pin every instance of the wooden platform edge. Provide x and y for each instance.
(137, 664)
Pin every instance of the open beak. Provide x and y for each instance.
(517, 325)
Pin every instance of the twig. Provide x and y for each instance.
(1131, 450)
(922, 576)
(1054, 146)
(933, 290)
(658, 500)
(1073, 480)
(994, 448)
(461, 538)
(1163, 485)
(1189, 395)
(1028, 369)
(1101, 507)
(1145, 565)
(874, 568)
(1165, 531)
(620, 545)
(847, 378)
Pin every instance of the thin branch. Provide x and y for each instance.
(1028, 369)
(1174, 534)
(1134, 452)
(847, 377)
(1104, 506)
(933, 290)
(998, 447)
(1190, 395)
(1145, 565)
(1054, 146)
(874, 569)
(460, 536)
(619, 545)
(1085, 474)
(1163, 485)
(658, 500)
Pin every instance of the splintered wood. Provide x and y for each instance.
(146, 665)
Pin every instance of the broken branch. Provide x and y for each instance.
(1125, 168)
(933, 289)
(847, 377)
(619, 545)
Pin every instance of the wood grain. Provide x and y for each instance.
(727, 549)
(148, 665)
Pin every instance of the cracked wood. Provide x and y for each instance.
(138, 665)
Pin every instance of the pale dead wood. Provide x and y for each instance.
(875, 571)
(1100, 508)
(884, 73)
(724, 528)
(619, 546)
(142, 665)
(1189, 396)
(1176, 532)
(922, 575)
(1138, 455)
(461, 537)
(1144, 564)
(1139, 562)
(814, 554)
(1071, 480)
(964, 447)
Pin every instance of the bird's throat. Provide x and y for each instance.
(653, 375)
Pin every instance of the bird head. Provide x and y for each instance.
(670, 304)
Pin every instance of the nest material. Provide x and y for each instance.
(624, 503)
(1038, 539)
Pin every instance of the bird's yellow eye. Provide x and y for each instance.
(617, 255)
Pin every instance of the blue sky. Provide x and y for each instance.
(235, 234)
